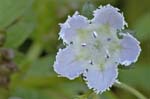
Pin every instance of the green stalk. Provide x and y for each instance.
(131, 90)
(34, 51)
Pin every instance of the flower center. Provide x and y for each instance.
(98, 45)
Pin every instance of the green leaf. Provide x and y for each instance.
(108, 95)
(72, 88)
(12, 9)
(88, 9)
(19, 32)
(41, 68)
(142, 27)
(3, 93)
(41, 75)
(137, 77)
(28, 93)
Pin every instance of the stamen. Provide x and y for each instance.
(108, 39)
(91, 62)
(71, 42)
(107, 56)
(83, 44)
(95, 34)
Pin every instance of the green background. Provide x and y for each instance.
(34, 40)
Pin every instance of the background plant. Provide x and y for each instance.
(30, 28)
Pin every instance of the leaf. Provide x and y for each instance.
(3, 93)
(88, 9)
(41, 68)
(72, 88)
(29, 93)
(18, 33)
(39, 73)
(12, 9)
(108, 95)
(137, 77)
(142, 27)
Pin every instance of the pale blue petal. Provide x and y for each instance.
(109, 15)
(69, 29)
(101, 80)
(130, 50)
(66, 64)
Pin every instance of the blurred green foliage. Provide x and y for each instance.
(32, 32)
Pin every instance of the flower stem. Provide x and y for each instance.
(130, 89)
(34, 51)
(86, 95)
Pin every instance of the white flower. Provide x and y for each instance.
(94, 49)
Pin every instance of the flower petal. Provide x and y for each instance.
(101, 80)
(109, 15)
(67, 64)
(130, 49)
(68, 29)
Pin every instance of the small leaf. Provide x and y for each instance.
(142, 27)
(138, 77)
(12, 9)
(88, 9)
(18, 33)
(29, 93)
(41, 68)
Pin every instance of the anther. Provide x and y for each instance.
(83, 44)
(107, 56)
(91, 62)
(71, 42)
(108, 39)
(94, 34)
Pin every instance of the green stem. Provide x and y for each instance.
(32, 55)
(34, 51)
(131, 90)
(86, 95)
